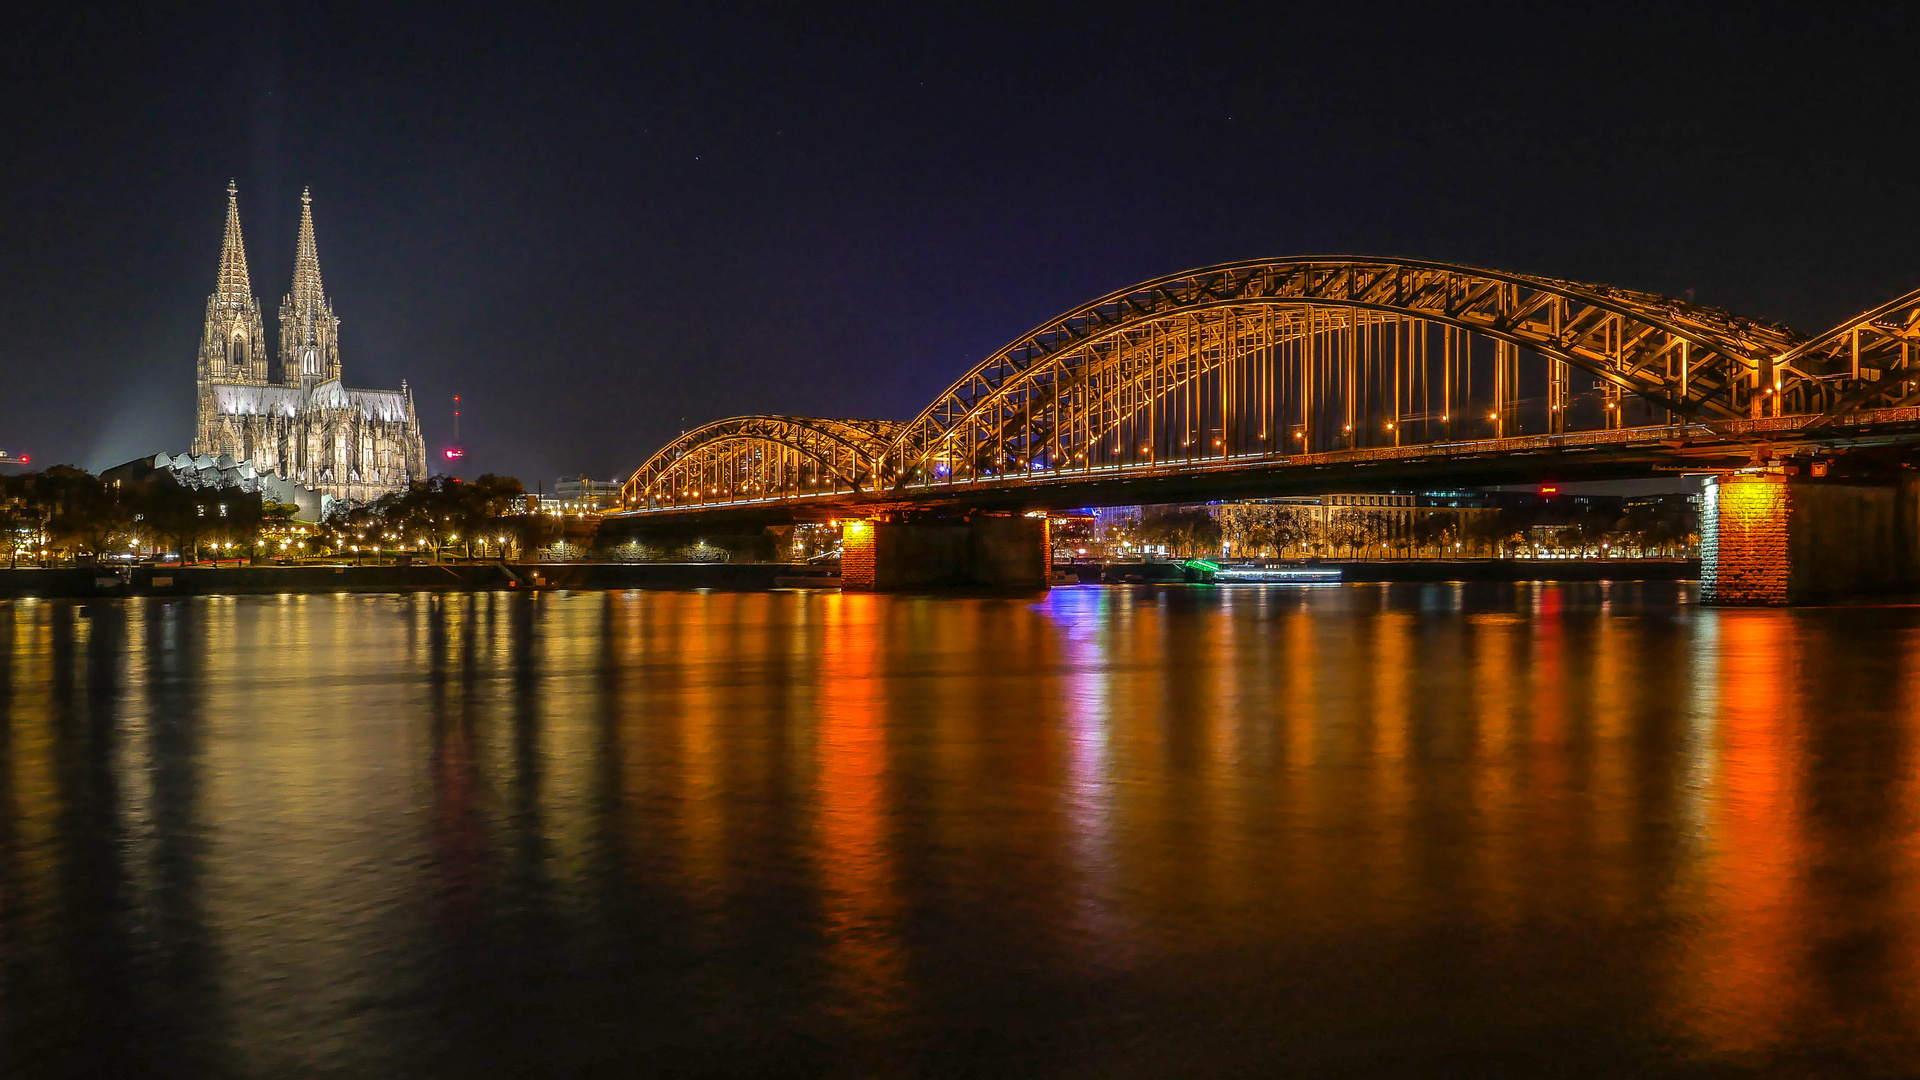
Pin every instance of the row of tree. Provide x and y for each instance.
(1665, 528)
(64, 512)
(486, 516)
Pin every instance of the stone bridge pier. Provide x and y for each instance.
(985, 551)
(1770, 538)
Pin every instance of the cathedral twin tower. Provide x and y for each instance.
(354, 445)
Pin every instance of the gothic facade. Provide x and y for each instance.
(295, 418)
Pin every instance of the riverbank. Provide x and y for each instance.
(1434, 570)
(88, 582)
(1519, 570)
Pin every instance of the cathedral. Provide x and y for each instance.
(305, 424)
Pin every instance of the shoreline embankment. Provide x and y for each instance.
(90, 582)
(87, 582)
(1430, 571)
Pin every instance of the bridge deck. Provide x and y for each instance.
(1619, 453)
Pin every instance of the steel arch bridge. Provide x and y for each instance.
(766, 456)
(1269, 366)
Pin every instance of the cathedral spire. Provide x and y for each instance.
(307, 290)
(233, 342)
(232, 287)
(309, 346)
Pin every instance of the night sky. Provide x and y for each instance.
(599, 226)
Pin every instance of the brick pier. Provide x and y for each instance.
(1768, 539)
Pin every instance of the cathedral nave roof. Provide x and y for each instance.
(380, 404)
(241, 399)
(235, 399)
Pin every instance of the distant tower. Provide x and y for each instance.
(309, 334)
(233, 344)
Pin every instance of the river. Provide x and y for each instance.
(1382, 830)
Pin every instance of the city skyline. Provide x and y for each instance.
(719, 216)
(1028, 540)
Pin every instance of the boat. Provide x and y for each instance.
(1275, 574)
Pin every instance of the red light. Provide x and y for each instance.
(24, 459)
(454, 453)
(1549, 489)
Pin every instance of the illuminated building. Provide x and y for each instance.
(585, 494)
(305, 425)
(203, 473)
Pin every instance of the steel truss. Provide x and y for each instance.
(757, 457)
(1287, 358)
(1869, 359)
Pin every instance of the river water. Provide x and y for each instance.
(1407, 830)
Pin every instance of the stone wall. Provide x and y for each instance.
(998, 552)
(918, 557)
(1009, 552)
(1846, 540)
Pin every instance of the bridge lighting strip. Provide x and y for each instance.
(1466, 448)
(1469, 448)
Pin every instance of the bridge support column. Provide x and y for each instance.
(1768, 538)
(999, 552)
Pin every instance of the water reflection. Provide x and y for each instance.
(1391, 829)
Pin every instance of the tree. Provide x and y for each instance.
(1435, 530)
(441, 510)
(1669, 526)
(1348, 528)
(22, 517)
(1587, 532)
(1379, 528)
(87, 516)
(1292, 530)
(233, 520)
(1181, 531)
(355, 528)
(177, 517)
(1247, 528)
(1488, 534)
(186, 518)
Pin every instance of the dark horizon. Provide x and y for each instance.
(603, 229)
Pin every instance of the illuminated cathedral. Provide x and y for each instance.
(295, 417)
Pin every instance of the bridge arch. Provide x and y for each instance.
(744, 458)
(1282, 362)
(1318, 353)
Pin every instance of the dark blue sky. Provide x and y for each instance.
(595, 223)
